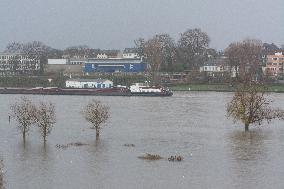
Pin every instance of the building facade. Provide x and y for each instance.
(66, 61)
(274, 65)
(215, 65)
(115, 65)
(130, 53)
(62, 61)
(18, 64)
(89, 83)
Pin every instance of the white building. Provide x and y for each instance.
(65, 61)
(130, 53)
(57, 61)
(89, 83)
(102, 56)
(18, 63)
(76, 61)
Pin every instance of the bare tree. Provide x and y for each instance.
(244, 59)
(250, 105)
(38, 53)
(23, 112)
(45, 118)
(160, 52)
(192, 47)
(169, 52)
(139, 44)
(153, 52)
(80, 51)
(35, 52)
(96, 113)
(14, 47)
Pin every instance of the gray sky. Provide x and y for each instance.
(114, 24)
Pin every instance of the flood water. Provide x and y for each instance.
(217, 153)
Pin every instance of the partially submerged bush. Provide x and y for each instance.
(129, 145)
(70, 144)
(175, 158)
(151, 157)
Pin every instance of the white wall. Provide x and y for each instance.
(130, 55)
(90, 84)
(57, 61)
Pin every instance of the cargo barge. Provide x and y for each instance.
(114, 91)
(67, 91)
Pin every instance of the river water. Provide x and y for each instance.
(217, 153)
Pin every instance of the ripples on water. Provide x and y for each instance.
(217, 154)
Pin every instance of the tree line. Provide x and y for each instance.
(166, 54)
(162, 51)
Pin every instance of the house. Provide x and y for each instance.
(215, 65)
(89, 83)
(115, 65)
(130, 53)
(274, 65)
(102, 56)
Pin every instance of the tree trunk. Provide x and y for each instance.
(44, 134)
(246, 127)
(24, 135)
(97, 133)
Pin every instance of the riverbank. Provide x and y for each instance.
(118, 79)
(219, 87)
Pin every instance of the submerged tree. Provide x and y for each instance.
(250, 105)
(96, 113)
(23, 112)
(45, 118)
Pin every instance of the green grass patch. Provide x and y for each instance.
(202, 87)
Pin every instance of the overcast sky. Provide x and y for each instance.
(114, 24)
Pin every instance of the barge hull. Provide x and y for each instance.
(82, 92)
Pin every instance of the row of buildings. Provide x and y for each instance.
(272, 66)
(129, 61)
(18, 63)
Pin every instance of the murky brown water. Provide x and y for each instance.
(217, 154)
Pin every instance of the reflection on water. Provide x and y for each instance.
(250, 154)
(248, 145)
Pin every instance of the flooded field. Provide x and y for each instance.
(216, 153)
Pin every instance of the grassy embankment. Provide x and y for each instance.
(218, 87)
(59, 80)
(201, 87)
